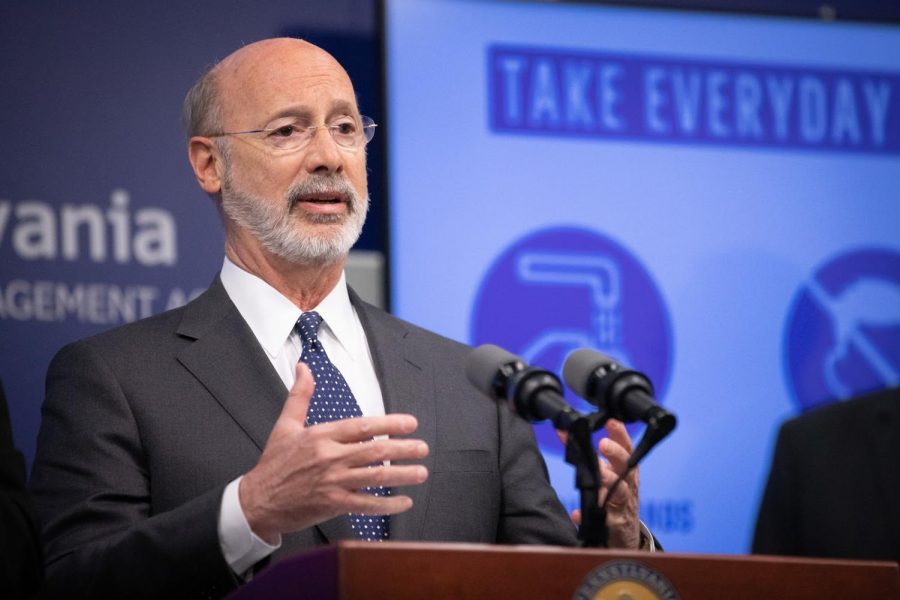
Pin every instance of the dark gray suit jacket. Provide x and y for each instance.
(834, 485)
(143, 427)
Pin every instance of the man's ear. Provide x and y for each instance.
(205, 161)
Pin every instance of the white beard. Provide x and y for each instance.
(291, 234)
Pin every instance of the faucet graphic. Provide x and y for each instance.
(868, 301)
(601, 277)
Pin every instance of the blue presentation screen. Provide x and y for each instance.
(711, 199)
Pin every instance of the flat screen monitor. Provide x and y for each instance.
(712, 199)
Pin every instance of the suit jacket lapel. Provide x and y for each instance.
(406, 387)
(226, 358)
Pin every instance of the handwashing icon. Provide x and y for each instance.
(601, 277)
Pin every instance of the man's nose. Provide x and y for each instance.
(323, 154)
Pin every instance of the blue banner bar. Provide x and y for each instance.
(547, 91)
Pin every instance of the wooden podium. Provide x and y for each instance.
(399, 570)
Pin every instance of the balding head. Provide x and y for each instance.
(241, 77)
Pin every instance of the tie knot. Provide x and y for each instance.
(308, 327)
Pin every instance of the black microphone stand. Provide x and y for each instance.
(525, 387)
(580, 453)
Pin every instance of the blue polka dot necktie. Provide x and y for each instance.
(331, 401)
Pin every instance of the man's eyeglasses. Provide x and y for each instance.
(291, 134)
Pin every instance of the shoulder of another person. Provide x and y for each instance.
(841, 413)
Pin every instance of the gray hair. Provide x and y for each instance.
(201, 113)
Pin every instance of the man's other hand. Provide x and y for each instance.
(622, 510)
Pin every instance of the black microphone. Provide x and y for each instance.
(624, 394)
(533, 393)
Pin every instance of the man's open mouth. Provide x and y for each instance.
(322, 199)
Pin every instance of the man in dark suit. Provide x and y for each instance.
(834, 485)
(169, 462)
(20, 549)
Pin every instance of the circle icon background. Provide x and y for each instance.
(559, 289)
(842, 337)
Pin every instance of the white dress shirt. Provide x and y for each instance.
(271, 318)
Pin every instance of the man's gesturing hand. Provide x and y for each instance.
(307, 475)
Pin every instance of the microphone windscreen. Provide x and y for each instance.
(483, 364)
(579, 367)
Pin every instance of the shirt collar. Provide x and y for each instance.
(271, 316)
